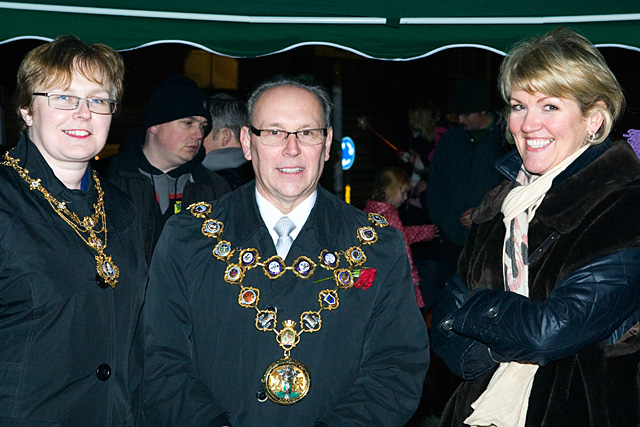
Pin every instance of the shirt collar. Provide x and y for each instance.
(270, 214)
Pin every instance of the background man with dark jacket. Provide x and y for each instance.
(463, 169)
(159, 163)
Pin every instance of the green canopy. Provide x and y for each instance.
(385, 29)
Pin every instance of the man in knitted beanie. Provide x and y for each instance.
(159, 163)
(175, 120)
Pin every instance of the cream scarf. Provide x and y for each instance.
(505, 401)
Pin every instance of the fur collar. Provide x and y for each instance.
(568, 203)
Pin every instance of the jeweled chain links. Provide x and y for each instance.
(274, 267)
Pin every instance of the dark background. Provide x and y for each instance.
(379, 90)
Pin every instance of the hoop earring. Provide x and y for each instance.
(591, 136)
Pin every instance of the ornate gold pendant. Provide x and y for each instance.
(107, 271)
(286, 381)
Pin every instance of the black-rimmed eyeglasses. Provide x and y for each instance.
(60, 101)
(279, 136)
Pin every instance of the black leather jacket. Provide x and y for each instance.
(597, 301)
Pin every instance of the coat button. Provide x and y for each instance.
(261, 396)
(447, 325)
(492, 312)
(103, 372)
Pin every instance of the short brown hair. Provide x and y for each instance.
(564, 64)
(54, 64)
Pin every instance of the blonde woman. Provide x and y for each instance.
(548, 286)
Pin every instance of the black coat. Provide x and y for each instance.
(461, 173)
(65, 343)
(124, 170)
(205, 357)
(238, 176)
(584, 288)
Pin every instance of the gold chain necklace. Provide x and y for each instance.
(287, 381)
(107, 271)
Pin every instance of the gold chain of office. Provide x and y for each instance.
(107, 271)
(287, 381)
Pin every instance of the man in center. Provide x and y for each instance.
(253, 323)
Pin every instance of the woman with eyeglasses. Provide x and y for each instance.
(72, 267)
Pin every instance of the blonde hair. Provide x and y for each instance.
(391, 178)
(423, 118)
(563, 64)
(54, 63)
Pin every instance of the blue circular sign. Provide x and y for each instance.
(348, 153)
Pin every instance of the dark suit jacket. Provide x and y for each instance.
(205, 357)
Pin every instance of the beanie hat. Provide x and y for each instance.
(470, 95)
(175, 98)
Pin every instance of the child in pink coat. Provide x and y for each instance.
(389, 192)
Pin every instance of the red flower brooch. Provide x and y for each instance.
(365, 278)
